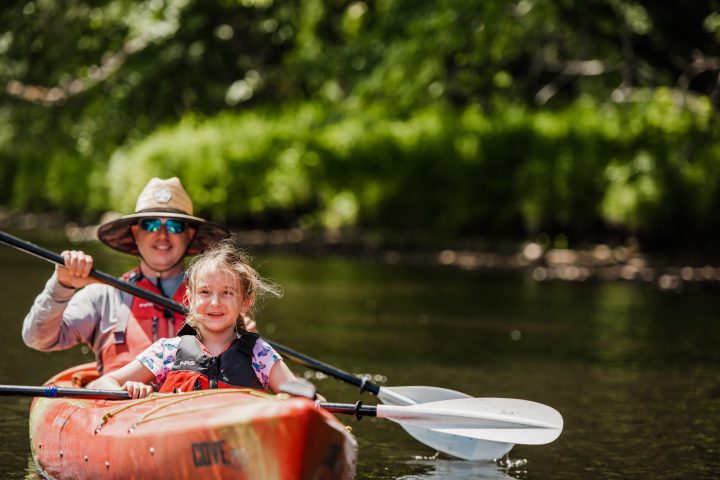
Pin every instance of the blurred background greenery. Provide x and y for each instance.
(591, 121)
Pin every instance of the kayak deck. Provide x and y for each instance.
(228, 433)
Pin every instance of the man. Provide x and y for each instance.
(116, 325)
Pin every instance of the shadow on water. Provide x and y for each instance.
(634, 371)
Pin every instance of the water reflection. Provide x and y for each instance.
(621, 319)
(31, 471)
(446, 469)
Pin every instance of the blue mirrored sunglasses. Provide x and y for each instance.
(153, 225)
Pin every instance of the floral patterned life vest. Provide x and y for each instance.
(195, 369)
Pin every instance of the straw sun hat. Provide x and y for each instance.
(166, 199)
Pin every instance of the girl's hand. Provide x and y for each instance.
(137, 389)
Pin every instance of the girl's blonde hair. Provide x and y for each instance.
(224, 257)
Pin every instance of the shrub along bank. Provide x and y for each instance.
(648, 168)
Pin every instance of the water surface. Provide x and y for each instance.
(634, 371)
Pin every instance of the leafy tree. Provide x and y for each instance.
(501, 118)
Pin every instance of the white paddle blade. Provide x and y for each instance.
(417, 394)
(458, 446)
(524, 436)
(495, 419)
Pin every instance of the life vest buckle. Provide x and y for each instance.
(119, 337)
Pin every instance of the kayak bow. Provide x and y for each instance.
(226, 433)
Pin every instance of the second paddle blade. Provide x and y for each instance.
(459, 446)
(494, 419)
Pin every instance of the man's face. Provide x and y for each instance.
(162, 244)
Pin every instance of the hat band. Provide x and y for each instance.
(164, 210)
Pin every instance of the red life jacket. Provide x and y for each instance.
(145, 324)
(195, 369)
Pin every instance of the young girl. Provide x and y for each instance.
(212, 350)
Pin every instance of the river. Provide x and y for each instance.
(635, 371)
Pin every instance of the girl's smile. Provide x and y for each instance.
(218, 302)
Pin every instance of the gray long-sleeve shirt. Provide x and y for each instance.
(61, 317)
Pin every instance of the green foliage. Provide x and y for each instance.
(636, 166)
(234, 166)
(460, 117)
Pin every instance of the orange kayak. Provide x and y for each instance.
(228, 433)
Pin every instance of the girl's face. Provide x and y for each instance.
(219, 302)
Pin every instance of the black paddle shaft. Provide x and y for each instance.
(296, 357)
(40, 252)
(357, 409)
(55, 392)
(319, 366)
